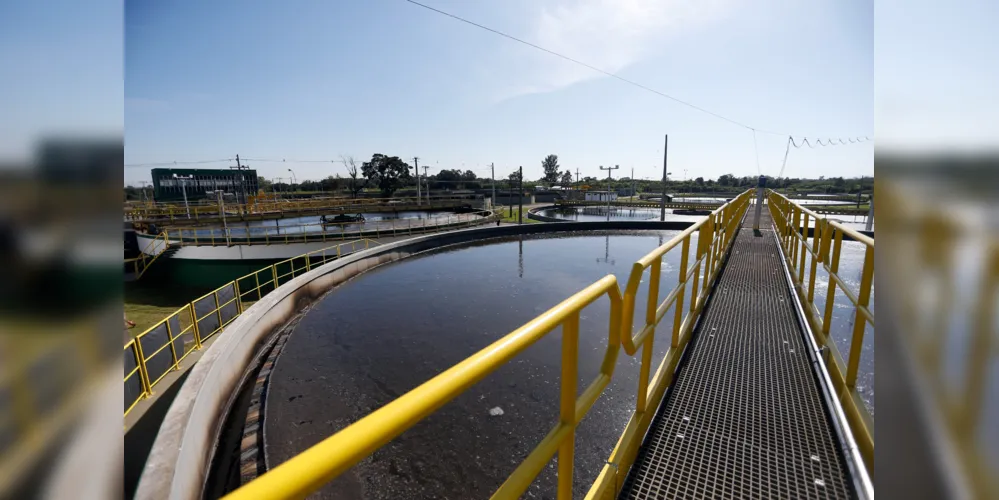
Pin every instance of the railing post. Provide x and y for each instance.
(760, 189)
(194, 322)
(831, 294)
(275, 275)
(870, 214)
(860, 321)
(682, 289)
(239, 300)
(567, 411)
(817, 237)
(803, 251)
(173, 350)
(140, 359)
(218, 308)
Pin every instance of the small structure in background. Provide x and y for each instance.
(601, 196)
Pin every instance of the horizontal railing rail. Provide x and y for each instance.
(945, 290)
(803, 255)
(151, 355)
(148, 255)
(310, 470)
(207, 209)
(321, 232)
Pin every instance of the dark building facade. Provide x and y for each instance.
(198, 182)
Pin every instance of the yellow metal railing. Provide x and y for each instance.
(153, 354)
(48, 374)
(711, 238)
(803, 254)
(147, 256)
(208, 209)
(319, 232)
(310, 470)
(943, 279)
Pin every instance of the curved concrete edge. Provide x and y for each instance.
(149, 242)
(182, 452)
(534, 215)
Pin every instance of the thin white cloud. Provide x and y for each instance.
(608, 34)
(145, 105)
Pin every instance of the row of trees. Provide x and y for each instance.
(388, 174)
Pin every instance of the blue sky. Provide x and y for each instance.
(316, 80)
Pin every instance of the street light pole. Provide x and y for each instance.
(294, 180)
(608, 169)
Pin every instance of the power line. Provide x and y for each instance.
(829, 142)
(171, 163)
(590, 66)
(818, 143)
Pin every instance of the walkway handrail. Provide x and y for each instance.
(324, 461)
(803, 254)
(311, 469)
(173, 338)
(318, 232)
(146, 256)
(202, 208)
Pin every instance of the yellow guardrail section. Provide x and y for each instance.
(711, 237)
(803, 255)
(315, 232)
(948, 252)
(147, 257)
(178, 335)
(38, 411)
(210, 209)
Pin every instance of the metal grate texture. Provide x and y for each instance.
(745, 418)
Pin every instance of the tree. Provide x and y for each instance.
(514, 176)
(331, 183)
(567, 178)
(699, 181)
(263, 184)
(388, 172)
(354, 184)
(550, 164)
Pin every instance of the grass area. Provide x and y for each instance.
(145, 315)
(148, 301)
(505, 212)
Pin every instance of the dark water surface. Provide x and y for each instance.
(311, 224)
(392, 328)
(598, 214)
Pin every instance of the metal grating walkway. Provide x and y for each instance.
(745, 417)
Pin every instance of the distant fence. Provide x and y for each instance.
(320, 232)
(154, 353)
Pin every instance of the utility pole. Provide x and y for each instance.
(427, 177)
(520, 187)
(662, 202)
(492, 174)
(577, 176)
(633, 183)
(609, 169)
(242, 181)
(416, 160)
(294, 180)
